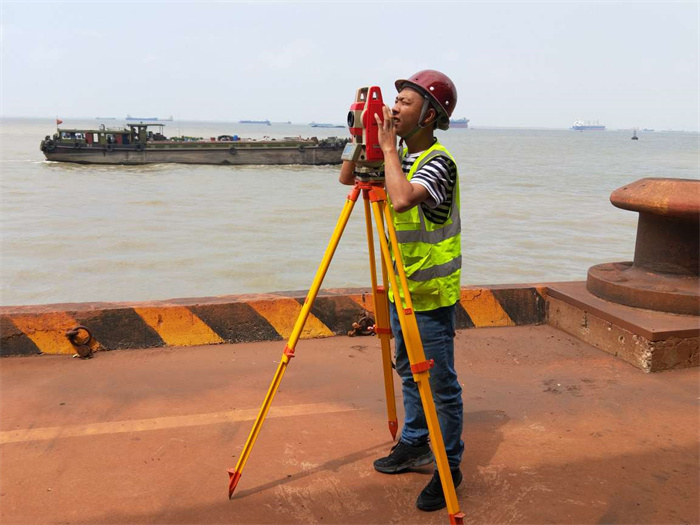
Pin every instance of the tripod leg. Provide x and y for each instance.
(419, 366)
(382, 326)
(235, 474)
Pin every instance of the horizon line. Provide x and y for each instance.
(288, 122)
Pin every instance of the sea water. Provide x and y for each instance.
(535, 208)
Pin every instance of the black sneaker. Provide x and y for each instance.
(432, 497)
(403, 457)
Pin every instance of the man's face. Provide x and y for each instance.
(406, 111)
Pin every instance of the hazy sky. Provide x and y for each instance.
(529, 64)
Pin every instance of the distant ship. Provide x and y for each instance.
(266, 122)
(105, 118)
(580, 125)
(150, 119)
(318, 125)
(459, 123)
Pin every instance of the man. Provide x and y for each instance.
(423, 189)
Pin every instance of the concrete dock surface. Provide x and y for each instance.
(556, 431)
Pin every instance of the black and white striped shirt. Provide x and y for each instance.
(439, 177)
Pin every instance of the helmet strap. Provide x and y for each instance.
(423, 111)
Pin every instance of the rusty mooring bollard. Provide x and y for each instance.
(665, 273)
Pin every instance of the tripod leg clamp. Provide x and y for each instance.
(288, 353)
(423, 366)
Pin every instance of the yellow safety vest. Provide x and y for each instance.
(431, 253)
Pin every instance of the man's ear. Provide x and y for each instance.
(430, 117)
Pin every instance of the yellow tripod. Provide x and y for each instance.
(374, 196)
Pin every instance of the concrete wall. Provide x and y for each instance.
(618, 340)
(29, 330)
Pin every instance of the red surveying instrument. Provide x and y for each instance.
(365, 152)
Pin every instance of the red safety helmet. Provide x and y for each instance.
(438, 88)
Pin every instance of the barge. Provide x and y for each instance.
(141, 144)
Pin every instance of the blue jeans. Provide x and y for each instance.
(437, 332)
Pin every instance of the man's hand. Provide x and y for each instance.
(403, 194)
(387, 132)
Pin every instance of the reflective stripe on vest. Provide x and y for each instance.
(435, 236)
(431, 252)
(439, 270)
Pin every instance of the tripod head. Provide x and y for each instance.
(364, 149)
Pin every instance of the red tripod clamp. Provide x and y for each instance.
(423, 367)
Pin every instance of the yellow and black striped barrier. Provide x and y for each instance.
(28, 330)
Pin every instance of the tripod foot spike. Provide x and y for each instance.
(393, 428)
(457, 519)
(233, 477)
